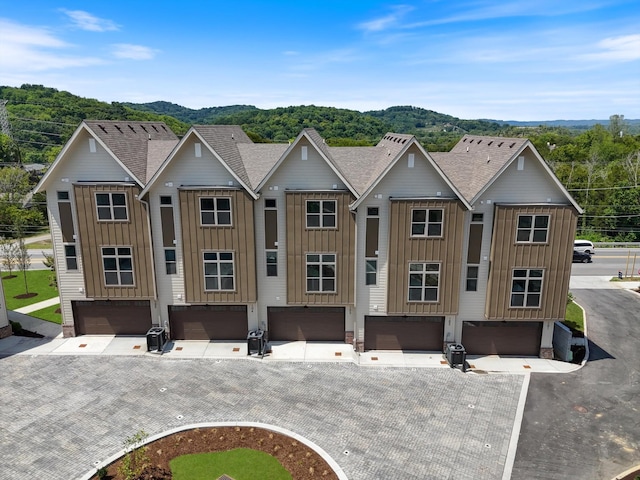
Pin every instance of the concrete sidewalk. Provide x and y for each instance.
(309, 352)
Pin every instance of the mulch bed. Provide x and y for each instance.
(301, 461)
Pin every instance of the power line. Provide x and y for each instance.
(42, 121)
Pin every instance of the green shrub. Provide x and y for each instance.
(135, 459)
(16, 327)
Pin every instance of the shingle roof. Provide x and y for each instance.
(475, 160)
(361, 165)
(259, 158)
(224, 139)
(131, 143)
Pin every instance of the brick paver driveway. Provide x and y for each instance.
(61, 414)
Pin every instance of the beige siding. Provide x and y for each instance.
(404, 249)
(554, 257)
(238, 238)
(302, 240)
(132, 233)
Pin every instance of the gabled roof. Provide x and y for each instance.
(138, 147)
(476, 162)
(222, 141)
(391, 148)
(323, 149)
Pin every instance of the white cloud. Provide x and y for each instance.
(386, 22)
(85, 21)
(133, 52)
(27, 48)
(625, 48)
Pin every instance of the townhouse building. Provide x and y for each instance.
(387, 247)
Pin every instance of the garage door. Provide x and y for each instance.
(403, 333)
(321, 324)
(502, 338)
(208, 322)
(112, 317)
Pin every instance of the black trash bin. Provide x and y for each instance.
(156, 338)
(456, 355)
(256, 342)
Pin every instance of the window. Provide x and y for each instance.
(63, 195)
(218, 271)
(170, 261)
(71, 257)
(111, 206)
(371, 271)
(118, 266)
(321, 272)
(477, 217)
(321, 213)
(526, 287)
(272, 263)
(532, 228)
(215, 210)
(270, 203)
(424, 280)
(426, 222)
(472, 278)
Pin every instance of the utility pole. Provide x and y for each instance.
(5, 127)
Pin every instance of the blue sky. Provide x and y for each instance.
(508, 60)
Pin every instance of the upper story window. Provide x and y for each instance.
(424, 282)
(112, 206)
(321, 213)
(426, 222)
(526, 287)
(321, 272)
(117, 263)
(532, 229)
(215, 210)
(219, 271)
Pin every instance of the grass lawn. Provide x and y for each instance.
(43, 245)
(239, 464)
(37, 281)
(574, 318)
(49, 314)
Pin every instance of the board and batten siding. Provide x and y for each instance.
(95, 234)
(445, 250)
(302, 240)
(554, 257)
(238, 238)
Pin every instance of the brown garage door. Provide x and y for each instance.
(112, 317)
(321, 324)
(403, 333)
(208, 322)
(502, 338)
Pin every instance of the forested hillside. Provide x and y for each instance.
(600, 166)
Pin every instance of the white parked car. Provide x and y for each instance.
(584, 246)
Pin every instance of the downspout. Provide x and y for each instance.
(153, 260)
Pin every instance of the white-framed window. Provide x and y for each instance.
(532, 229)
(322, 213)
(424, 282)
(112, 206)
(219, 271)
(215, 210)
(472, 278)
(526, 287)
(426, 222)
(117, 263)
(71, 256)
(321, 272)
(171, 266)
(371, 271)
(272, 263)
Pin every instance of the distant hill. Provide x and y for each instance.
(570, 124)
(189, 115)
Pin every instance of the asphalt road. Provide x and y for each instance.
(610, 261)
(586, 425)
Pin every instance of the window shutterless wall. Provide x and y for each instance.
(239, 238)
(302, 240)
(553, 256)
(95, 234)
(405, 249)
